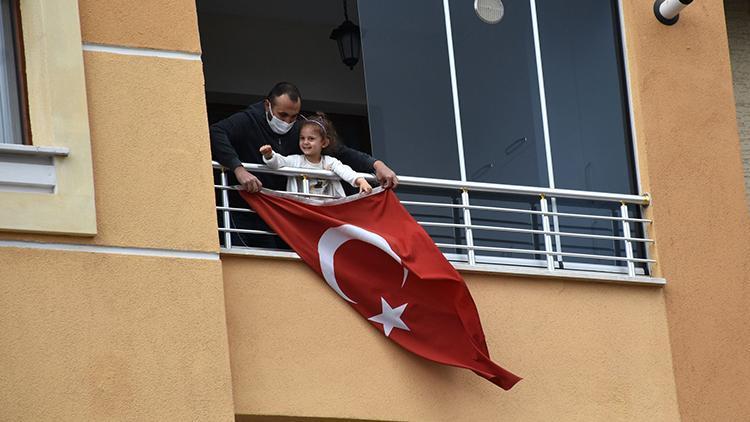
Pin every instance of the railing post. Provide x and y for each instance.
(467, 222)
(305, 184)
(225, 213)
(556, 225)
(647, 248)
(626, 234)
(547, 237)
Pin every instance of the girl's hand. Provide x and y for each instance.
(364, 187)
(267, 151)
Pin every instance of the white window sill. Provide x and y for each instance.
(16, 149)
(492, 269)
(28, 168)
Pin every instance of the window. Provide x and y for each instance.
(541, 95)
(49, 187)
(10, 115)
(541, 101)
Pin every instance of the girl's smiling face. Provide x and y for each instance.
(311, 142)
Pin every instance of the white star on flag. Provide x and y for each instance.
(390, 317)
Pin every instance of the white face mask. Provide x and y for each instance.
(278, 126)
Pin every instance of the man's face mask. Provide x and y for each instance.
(278, 126)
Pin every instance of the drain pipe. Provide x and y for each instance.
(668, 11)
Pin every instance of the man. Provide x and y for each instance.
(238, 138)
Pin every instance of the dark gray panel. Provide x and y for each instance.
(412, 123)
(499, 96)
(586, 97)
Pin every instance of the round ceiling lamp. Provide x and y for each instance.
(489, 11)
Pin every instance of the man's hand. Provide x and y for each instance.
(386, 176)
(267, 151)
(248, 182)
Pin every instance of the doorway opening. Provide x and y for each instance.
(251, 45)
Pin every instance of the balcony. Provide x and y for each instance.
(486, 227)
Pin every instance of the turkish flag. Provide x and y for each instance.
(374, 255)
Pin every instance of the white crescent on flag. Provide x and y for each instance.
(334, 237)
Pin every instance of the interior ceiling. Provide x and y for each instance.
(324, 12)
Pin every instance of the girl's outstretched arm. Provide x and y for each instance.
(273, 159)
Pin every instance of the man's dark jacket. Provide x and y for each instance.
(238, 138)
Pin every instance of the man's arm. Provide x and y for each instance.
(357, 160)
(222, 134)
(365, 163)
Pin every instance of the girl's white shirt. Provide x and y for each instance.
(317, 186)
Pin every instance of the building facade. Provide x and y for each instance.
(120, 300)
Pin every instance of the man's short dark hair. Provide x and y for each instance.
(284, 88)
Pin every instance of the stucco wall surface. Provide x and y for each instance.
(587, 352)
(690, 163)
(151, 155)
(163, 24)
(93, 337)
(738, 30)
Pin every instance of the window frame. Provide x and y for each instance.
(11, 89)
(21, 73)
(58, 120)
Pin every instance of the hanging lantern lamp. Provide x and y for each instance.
(348, 39)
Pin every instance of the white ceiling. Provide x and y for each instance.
(328, 12)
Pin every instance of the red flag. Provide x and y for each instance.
(374, 255)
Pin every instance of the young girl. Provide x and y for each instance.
(317, 136)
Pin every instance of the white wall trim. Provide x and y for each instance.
(113, 250)
(144, 52)
(562, 274)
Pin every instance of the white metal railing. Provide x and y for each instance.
(628, 235)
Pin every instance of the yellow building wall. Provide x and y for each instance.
(93, 337)
(587, 352)
(690, 164)
(112, 333)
